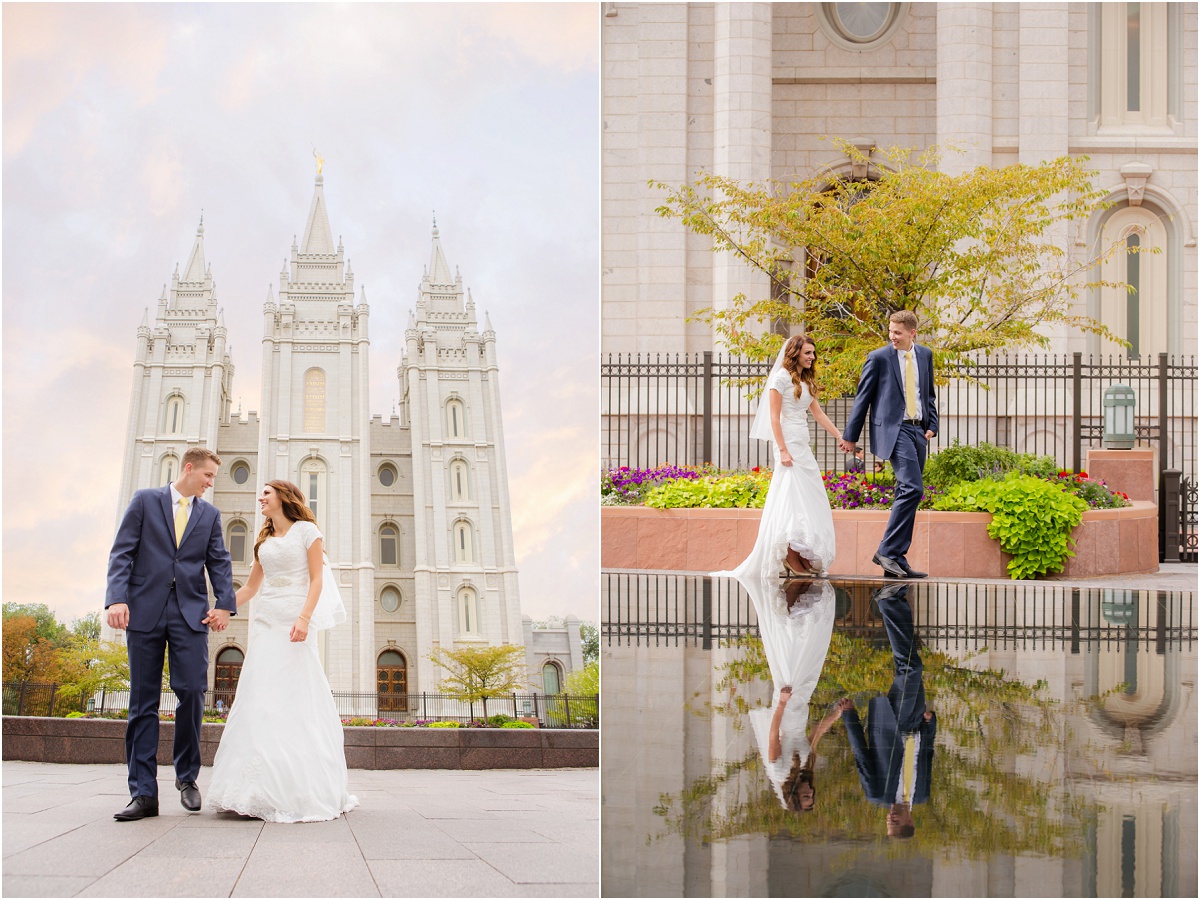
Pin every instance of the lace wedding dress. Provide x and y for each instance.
(796, 511)
(281, 756)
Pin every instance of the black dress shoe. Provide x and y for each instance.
(138, 808)
(910, 572)
(189, 795)
(889, 566)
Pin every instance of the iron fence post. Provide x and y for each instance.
(566, 710)
(21, 700)
(1163, 412)
(1169, 519)
(1077, 413)
(707, 394)
(706, 615)
(515, 716)
(53, 692)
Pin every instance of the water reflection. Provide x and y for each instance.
(1049, 764)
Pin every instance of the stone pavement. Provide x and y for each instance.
(417, 833)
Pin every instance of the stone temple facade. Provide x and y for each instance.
(414, 508)
(747, 90)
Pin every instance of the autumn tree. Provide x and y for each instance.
(87, 664)
(981, 257)
(476, 673)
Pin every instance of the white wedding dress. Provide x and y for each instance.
(281, 756)
(796, 511)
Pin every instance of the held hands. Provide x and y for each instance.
(217, 619)
(846, 446)
(299, 631)
(118, 616)
(844, 704)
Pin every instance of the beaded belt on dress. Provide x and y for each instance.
(279, 581)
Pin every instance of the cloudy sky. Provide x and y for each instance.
(123, 122)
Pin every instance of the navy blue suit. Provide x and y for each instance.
(164, 587)
(879, 754)
(881, 391)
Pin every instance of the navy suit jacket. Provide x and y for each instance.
(881, 390)
(880, 761)
(145, 562)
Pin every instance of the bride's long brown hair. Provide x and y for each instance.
(800, 773)
(294, 508)
(791, 362)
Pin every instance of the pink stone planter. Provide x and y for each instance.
(946, 544)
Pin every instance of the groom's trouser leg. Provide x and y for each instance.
(188, 653)
(908, 462)
(146, 649)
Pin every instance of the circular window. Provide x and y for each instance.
(387, 475)
(389, 599)
(240, 473)
(861, 26)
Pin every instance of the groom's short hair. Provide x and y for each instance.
(198, 456)
(905, 317)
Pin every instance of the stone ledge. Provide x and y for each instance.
(90, 741)
(1107, 541)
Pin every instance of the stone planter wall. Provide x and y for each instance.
(44, 739)
(945, 544)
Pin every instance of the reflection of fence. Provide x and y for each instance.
(557, 711)
(667, 609)
(688, 409)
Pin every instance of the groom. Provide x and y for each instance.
(156, 590)
(897, 386)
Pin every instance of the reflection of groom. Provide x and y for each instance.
(896, 765)
(897, 386)
(156, 590)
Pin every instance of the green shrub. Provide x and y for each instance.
(443, 725)
(713, 491)
(960, 463)
(74, 715)
(499, 720)
(1031, 518)
(517, 725)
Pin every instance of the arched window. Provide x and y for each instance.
(389, 545)
(387, 475)
(168, 468)
(459, 485)
(456, 419)
(390, 598)
(229, 669)
(173, 416)
(464, 544)
(392, 675)
(551, 678)
(468, 612)
(314, 401)
(237, 541)
(1140, 315)
(312, 482)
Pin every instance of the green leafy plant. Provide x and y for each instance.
(1031, 518)
(517, 725)
(959, 463)
(443, 725)
(744, 491)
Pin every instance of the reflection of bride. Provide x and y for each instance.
(796, 529)
(795, 620)
(281, 756)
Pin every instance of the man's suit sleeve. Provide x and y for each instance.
(862, 399)
(858, 744)
(124, 552)
(931, 411)
(220, 568)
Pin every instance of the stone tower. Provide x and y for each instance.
(315, 417)
(465, 576)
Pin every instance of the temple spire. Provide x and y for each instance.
(439, 269)
(196, 270)
(318, 237)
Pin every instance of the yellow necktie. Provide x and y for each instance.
(910, 766)
(910, 386)
(181, 518)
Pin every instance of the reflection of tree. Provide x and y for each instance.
(985, 719)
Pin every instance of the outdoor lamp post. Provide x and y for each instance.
(1119, 404)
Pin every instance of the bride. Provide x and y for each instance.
(281, 757)
(796, 529)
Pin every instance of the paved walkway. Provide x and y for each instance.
(417, 833)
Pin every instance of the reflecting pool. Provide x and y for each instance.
(867, 738)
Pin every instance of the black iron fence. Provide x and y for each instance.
(547, 711)
(690, 409)
(669, 609)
